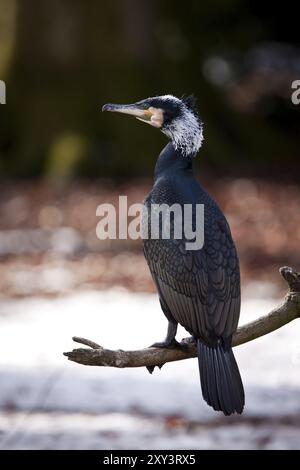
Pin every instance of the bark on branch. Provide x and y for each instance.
(150, 357)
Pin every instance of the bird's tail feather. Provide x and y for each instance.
(221, 383)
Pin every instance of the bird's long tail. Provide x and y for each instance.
(221, 383)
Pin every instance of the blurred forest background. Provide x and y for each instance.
(60, 157)
(63, 59)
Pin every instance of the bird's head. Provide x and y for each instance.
(177, 118)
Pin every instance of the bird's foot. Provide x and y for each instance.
(166, 344)
(169, 344)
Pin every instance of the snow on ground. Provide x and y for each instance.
(49, 402)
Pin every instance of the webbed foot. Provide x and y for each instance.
(166, 344)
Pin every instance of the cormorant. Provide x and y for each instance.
(199, 289)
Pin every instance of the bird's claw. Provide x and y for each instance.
(189, 340)
(150, 369)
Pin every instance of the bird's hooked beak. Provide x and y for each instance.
(151, 115)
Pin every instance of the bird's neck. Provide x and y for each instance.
(172, 161)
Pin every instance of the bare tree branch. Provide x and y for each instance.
(150, 357)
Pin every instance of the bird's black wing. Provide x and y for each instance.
(201, 289)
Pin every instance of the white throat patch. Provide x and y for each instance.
(186, 133)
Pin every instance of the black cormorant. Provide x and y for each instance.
(199, 289)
